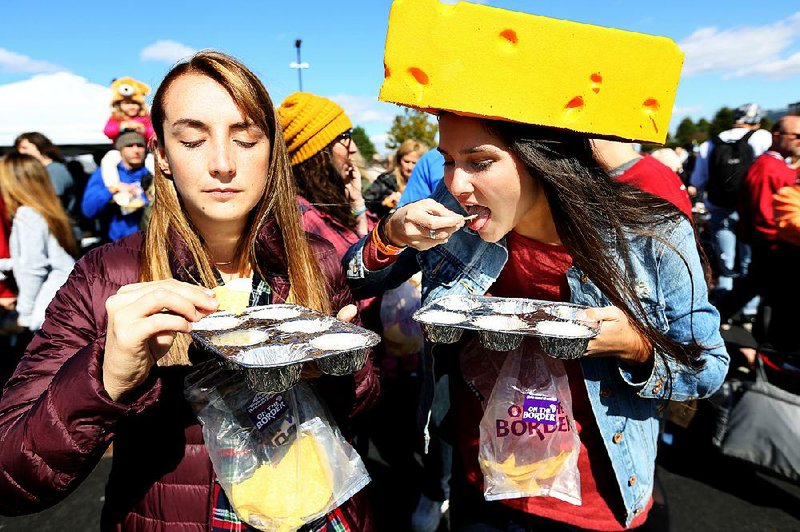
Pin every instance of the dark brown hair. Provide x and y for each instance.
(42, 143)
(319, 182)
(593, 212)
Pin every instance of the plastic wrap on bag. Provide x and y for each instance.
(280, 459)
(528, 442)
(402, 336)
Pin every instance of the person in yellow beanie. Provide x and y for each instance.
(321, 150)
(317, 134)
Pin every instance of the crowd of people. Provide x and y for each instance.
(215, 183)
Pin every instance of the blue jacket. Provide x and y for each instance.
(427, 173)
(626, 411)
(97, 202)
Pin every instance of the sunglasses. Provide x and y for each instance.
(345, 137)
(794, 136)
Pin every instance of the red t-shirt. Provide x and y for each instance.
(538, 271)
(767, 176)
(656, 178)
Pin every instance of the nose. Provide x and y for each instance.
(221, 163)
(460, 184)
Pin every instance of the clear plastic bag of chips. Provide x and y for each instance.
(528, 441)
(280, 458)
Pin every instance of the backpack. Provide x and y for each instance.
(727, 166)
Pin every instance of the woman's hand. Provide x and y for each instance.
(351, 176)
(143, 320)
(617, 337)
(391, 200)
(133, 125)
(310, 369)
(422, 225)
(8, 303)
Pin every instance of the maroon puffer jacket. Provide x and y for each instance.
(56, 420)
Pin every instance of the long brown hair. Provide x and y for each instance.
(319, 182)
(24, 182)
(588, 207)
(278, 201)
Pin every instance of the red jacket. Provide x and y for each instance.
(56, 420)
(768, 174)
(652, 176)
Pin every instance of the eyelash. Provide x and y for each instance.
(196, 144)
(477, 165)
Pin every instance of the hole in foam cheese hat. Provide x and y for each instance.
(488, 62)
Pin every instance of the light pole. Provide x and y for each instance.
(299, 65)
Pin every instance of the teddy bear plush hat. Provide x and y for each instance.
(129, 89)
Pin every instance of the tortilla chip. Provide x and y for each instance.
(286, 494)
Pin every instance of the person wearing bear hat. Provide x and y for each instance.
(129, 112)
(119, 205)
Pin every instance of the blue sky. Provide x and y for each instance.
(736, 52)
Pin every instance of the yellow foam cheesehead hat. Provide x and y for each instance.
(483, 61)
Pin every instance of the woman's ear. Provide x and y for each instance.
(161, 159)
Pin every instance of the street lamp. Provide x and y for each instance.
(298, 64)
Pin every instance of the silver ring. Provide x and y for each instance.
(432, 234)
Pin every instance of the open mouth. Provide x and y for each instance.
(481, 216)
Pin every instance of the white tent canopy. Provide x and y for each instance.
(66, 108)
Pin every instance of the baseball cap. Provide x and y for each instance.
(749, 113)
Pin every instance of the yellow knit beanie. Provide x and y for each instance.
(310, 123)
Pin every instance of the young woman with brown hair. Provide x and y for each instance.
(112, 356)
(546, 222)
(43, 249)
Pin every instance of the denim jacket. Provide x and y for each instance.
(675, 302)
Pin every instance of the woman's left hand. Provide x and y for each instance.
(351, 176)
(310, 369)
(617, 336)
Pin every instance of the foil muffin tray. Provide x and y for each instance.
(270, 344)
(503, 323)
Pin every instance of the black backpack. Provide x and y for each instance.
(727, 166)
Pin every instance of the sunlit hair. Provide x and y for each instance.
(593, 215)
(278, 201)
(42, 143)
(24, 182)
(408, 146)
(319, 182)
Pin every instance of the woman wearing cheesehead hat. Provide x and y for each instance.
(110, 361)
(550, 224)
